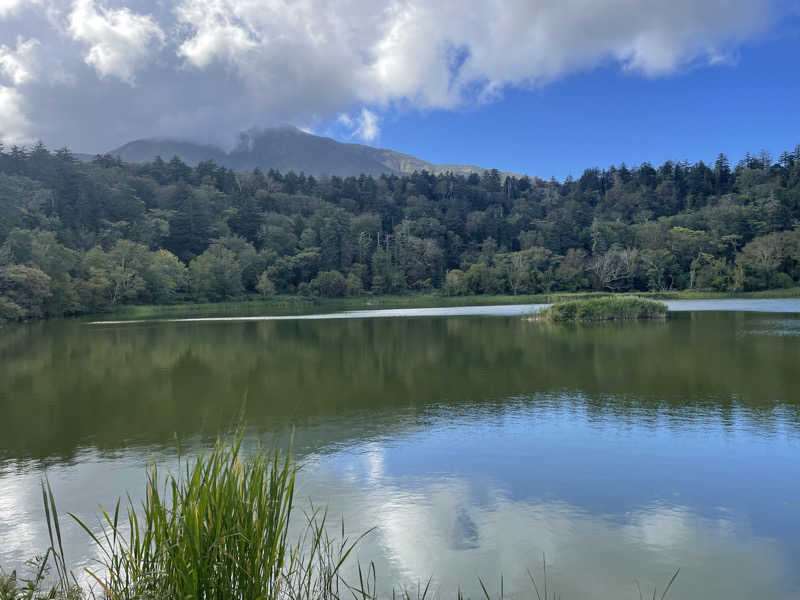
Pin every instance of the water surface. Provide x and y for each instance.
(471, 439)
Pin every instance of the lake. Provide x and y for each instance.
(473, 441)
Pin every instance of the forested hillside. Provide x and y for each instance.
(85, 237)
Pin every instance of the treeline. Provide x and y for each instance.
(85, 237)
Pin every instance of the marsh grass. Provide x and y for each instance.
(618, 308)
(218, 530)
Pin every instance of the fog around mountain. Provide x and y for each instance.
(288, 148)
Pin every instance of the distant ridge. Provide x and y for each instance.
(140, 151)
(287, 148)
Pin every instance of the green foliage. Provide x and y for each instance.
(108, 233)
(166, 277)
(455, 283)
(480, 278)
(23, 291)
(354, 281)
(216, 274)
(34, 586)
(767, 258)
(11, 311)
(219, 530)
(618, 308)
(265, 286)
(330, 284)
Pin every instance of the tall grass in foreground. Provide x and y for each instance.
(617, 308)
(218, 530)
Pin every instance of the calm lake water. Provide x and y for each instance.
(472, 440)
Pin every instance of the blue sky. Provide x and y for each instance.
(606, 116)
(544, 87)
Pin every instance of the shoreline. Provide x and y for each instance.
(298, 305)
(289, 305)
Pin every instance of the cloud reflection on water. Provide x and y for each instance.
(435, 527)
(457, 528)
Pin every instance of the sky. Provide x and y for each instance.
(543, 87)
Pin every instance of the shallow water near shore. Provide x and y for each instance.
(471, 440)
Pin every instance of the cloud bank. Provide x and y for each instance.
(95, 73)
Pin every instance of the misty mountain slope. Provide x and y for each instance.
(140, 151)
(289, 149)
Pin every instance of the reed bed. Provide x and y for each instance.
(617, 308)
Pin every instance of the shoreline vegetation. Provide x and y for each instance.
(293, 304)
(287, 304)
(219, 529)
(81, 238)
(619, 308)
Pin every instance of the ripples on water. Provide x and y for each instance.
(472, 445)
(484, 492)
(775, 327)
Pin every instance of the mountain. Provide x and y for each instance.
(287, 148)
(140, 151)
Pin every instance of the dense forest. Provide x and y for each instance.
(81, 237)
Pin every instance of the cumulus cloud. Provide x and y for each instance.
(20, 64)
(120, 41)
(209, 68)
(364, 125)
(8, 7)
(14, 123)
(217, 34)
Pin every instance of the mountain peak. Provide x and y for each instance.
(285, 147)
(283, 128)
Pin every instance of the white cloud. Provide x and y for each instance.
(444, 54)
(498, 43)
(211, 68)
(216, 34)
(448, 53)
(363, 126)
(9, 7)
(120, 41)
(20, 65)
(14, 124)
